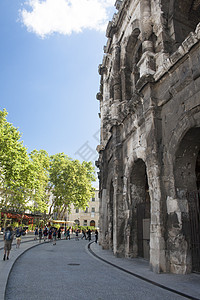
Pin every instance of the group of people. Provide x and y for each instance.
(50, 234)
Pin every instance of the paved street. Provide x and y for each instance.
(68, 271)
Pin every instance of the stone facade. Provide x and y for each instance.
(89, 217)
(149, 154)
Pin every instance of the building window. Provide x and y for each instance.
(85, 223)
(77, 210)
(86, 211)
(93, 199)
(93, 209)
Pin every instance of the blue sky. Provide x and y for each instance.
(49, 56)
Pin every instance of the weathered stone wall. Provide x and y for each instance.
(150, 131)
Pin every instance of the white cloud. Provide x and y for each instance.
(65, 16)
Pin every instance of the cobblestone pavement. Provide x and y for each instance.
(68, 271)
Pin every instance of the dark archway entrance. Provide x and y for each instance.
(92, 223)
(194, 211)
(187, 178)
(140, 231)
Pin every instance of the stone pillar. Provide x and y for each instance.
(116, 73)
(154, 169)
(118, 214)
(146, 64)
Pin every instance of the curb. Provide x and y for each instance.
(140, 277)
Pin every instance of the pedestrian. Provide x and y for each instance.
(36, 233)
(45, 233)
(83, 234)
(68, 234)
(96, 236)
(50, 234)
(59, 233)
(18, 235)
(40, 235)
(89, 235)
(54, 235)
(8, 238)
(76, 232)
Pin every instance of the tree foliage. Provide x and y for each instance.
(27, 180)
(70, 182)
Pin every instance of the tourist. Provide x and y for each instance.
(59, 233)
(36, 233)
(76, 232)
(54, 235)
(40, 235)
(50, 234)
(8, 238)
(45, 233)
(96, 236)
(83, 234)
(18, 235)
(89, 235)
(68, 234)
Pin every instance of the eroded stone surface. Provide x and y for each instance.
(150, 131)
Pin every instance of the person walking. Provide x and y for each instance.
(18, 235)
(8, 238)
(89, 234)
(45, 233)
(96, 235)
(36, 233)
(50, 234)
(76, 232)
(68, 234)
(83, 234)
(40, 235)
(59, 233)
(54, 235)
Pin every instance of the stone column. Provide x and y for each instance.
(118, 214)
(146, 64)
(154, 169)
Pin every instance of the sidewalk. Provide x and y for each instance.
(188, 284)
(6, 266)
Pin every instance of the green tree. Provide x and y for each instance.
(70, 182)
(40, 179)
(14, 166)
(23, 177)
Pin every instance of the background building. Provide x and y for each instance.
(89, 217)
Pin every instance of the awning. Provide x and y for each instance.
(61, 221)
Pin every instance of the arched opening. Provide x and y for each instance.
(187, 182)
(133, 55)
(92, 223)
(77, 222)
(140, 203)
(183, 17)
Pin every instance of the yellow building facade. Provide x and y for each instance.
(89, 217)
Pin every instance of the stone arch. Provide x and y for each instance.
(183, 17)
(133, 53)
(185, 163)
(137, 229)
(187, 121)
(186, 172)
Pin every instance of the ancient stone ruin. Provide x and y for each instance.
(149, 154)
